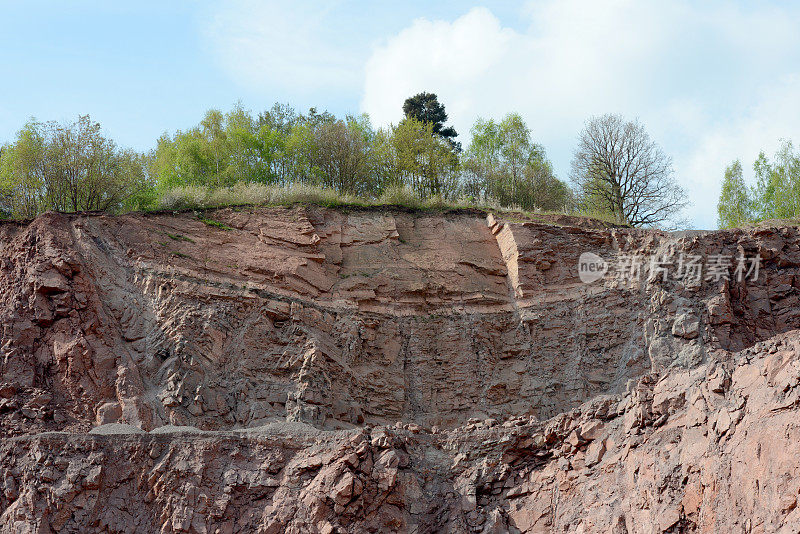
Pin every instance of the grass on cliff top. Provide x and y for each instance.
(243, 194)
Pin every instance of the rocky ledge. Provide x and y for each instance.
(383, 370)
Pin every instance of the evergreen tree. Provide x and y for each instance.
(426, 108)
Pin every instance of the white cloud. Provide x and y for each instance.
(436, 56)
(567, 66)
(711, 82)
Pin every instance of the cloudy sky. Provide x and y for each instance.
(711, 81)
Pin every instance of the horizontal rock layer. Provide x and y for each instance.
(312, 370)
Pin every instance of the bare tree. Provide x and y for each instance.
(618, 170)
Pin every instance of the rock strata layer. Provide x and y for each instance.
(312, 370)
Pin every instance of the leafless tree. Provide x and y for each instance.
(618, 170)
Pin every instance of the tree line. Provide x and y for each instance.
(775, 194)
(67, 167)
(618, 172)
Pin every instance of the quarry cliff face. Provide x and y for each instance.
(384, 370)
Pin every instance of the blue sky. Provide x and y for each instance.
(711, 81)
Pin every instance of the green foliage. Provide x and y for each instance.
(220, 151)
(424, 162)
(212, 222)
(425, 107)
(342, 154)
(734, 207)
(400, 195)
(775, 195)
(504, 163)
(280, 147)
(280, 157)
(67, 167)
(179, 237)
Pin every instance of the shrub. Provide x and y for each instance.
(400, 195)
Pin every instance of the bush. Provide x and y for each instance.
(400, 195)
(311, 194)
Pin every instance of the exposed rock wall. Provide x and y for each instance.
(312, 370)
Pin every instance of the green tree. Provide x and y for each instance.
(344, 155)
(384, 165)
(425, 107)
(424, 162)
(23, 166)
(776, 194)
(67, 167)
(222, 150)
(213, 138)
(543, 190)
(192, 157)
(734, 207)
(316, 119)
(503, 163)
(274, 128)
(280, 118)
(243, 145)
(301, 154)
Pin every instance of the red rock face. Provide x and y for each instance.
(311, 370)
